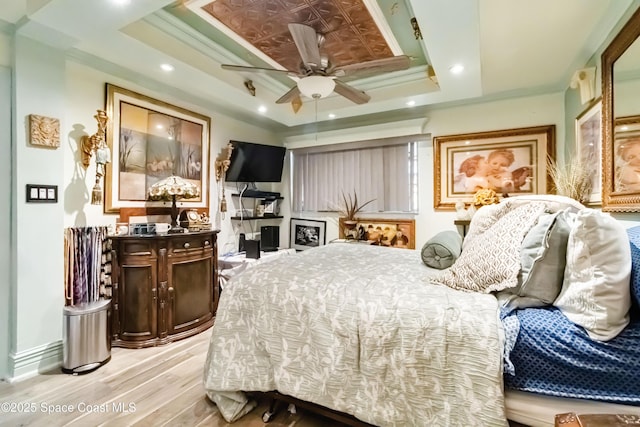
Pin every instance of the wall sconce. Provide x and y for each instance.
(222, 164)
(585, 80)
(416, 29)
(97, 144)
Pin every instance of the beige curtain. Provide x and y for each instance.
(386, 173)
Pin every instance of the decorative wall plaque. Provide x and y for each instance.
(44, 131)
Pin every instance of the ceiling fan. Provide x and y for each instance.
(318, 78)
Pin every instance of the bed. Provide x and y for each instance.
(365, 330)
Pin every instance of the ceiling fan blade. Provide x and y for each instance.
(289, 96)
(351, 93)
(306, 41)
(377, 66)
(257, 69)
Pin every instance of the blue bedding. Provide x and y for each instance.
(555, 357)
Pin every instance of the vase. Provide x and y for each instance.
(350, 223)
(349, 227)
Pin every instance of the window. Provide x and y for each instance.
(384, 170)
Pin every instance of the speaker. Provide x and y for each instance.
(270, 237)
(252, 248)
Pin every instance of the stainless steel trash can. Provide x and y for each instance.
(86, 344)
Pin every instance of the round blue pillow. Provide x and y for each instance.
(442, 250)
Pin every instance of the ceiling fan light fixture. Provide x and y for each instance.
(316, 86)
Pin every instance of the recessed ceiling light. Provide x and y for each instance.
(121, 2)
(262, 109)
(411, 103)
(456, 69)
(332, 116)
(467, 142)
(167, 67)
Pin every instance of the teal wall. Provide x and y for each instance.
(5, 211)
(37, 228)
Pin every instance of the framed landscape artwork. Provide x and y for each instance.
(151, 140)
(307, 233)
(511, 161)
(589, 146)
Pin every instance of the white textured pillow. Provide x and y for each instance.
(595, 292)
(553, 202)
(491, 259)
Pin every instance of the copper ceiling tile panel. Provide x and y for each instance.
(351, 35)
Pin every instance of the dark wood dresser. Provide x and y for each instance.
(165, 287)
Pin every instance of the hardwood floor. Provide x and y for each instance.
(157, 386)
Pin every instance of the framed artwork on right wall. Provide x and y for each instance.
(589, 146)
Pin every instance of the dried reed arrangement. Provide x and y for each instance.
(350, 207)
(572, 179)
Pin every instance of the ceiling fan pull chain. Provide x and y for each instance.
(315, 101)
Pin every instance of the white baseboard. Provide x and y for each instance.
(30, 362)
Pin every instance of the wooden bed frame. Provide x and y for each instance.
(531, 409)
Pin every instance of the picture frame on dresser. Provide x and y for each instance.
(307, 233)
(151, 140)
(588, 128)
(524, 170)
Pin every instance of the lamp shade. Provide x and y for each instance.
(316, 86)
(176, 186)
(173, 188)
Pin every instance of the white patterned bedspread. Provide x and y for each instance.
(358, 329)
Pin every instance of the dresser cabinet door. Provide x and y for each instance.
(138, 299)
(190, 293)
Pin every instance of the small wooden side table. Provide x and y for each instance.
(464, 224)
(571, 419)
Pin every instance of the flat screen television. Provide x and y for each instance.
(255, 162)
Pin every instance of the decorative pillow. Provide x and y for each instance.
(634, 241)
(542, 259)
(595, 293)
(491, 260)
(442, 250)
(553, 202)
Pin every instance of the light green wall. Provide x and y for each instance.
(37, 299)
(85, 94)
(5, 215)
(48, 84)
(479, 117)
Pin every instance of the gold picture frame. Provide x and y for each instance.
(626, 144)
(149, 141)
(588, 129)
(618, 103)
(512, 161)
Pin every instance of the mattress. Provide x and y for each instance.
(554, 357)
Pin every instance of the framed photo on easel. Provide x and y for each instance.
(307, 233)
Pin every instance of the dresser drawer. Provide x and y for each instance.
(181, 245)
(138, 247)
